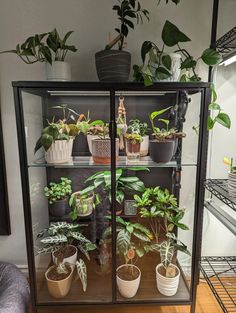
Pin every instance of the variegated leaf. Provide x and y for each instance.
(54, 239)
(82, 272)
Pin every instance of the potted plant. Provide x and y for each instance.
(131, 244)
(83, 204)
(231, 177)
(114, 65)
(57, 195)
(101, 147)
(124, 184)
(167, 273)
(141, 128)
(160, 209)
(57, 138)
(133, 143)
(164, 142)
(86, 127)
(48, 48)
(61, 240)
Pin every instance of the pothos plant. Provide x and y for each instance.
(132, 241)
(60, 236)
(45, 47)
(160, 208)
(138, 127)
(157, 65)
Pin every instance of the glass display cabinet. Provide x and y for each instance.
(112, 182)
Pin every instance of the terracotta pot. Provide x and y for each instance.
(128, 288)
(59, 289)
(167, 286)
(113, 65)
(161, 151)
(101, 150)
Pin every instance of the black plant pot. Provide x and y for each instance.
(113, 65)
(59, 208)
(161, 152)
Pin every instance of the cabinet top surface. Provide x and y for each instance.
(90, 85)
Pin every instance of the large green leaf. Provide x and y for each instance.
(160, 112)
(171, 35)
(211, 57)
(224, 120)
(166, 61)
(46, 141)
(82, 272)
(123, 242)
(146, 47)
(54, 239)
(162, 73)
(166, 252)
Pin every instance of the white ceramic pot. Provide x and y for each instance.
(59, 152)
(175, 67)
(59, 289)
(58, 71)
(128, 288)
(232, 184)
(144, 146)
(71, 260)
(167, 286)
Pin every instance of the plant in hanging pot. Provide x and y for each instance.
(57, 195)
(163, 144)
(48, 48)
(83, 204)
(167, 273)
(159, 207)
(132, 242)
(140, 128)
(57, 138)
(231, 177)
(133, 144)
(124, 185)
(114, 65)
(63, 241)
(101, 147)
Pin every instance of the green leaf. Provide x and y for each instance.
(54, 239)
(213, 93)
(210, 123)
(214, 106)
(82, 272)
(224, 120)
(38, 145)
(160, 112)
(188, 63)
(46, 141)
(171, 35)
(162, 73)
(146, 47)
(166, 61)
(211, 57)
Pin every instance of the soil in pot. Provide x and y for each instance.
(161, 151)
(128, 273)
(55, 276)
(65, 252)
(170, 272)
(59, 208)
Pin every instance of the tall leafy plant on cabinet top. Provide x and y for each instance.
(109, 63)
(48, 48)
(179, 65)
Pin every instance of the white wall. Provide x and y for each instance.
(91, 20)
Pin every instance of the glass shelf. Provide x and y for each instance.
(87, 162)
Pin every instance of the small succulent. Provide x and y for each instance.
(133, 138)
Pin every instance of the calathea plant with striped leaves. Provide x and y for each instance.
(59, 239)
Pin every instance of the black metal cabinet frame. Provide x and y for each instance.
(39, 88)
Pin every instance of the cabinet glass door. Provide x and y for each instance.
(69, 169)
(154, 223)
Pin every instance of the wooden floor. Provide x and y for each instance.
(206, 303)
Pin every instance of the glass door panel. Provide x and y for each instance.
(69, 194)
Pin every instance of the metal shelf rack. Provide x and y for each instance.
(220, 274)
